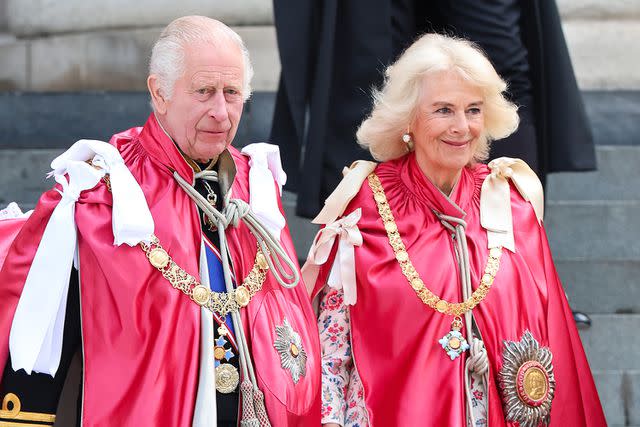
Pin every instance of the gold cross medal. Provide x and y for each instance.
(227, 375)
(454, 344)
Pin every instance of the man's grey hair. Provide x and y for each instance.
(167, 56)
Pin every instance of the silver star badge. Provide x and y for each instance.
(288, 344)
(527, 381)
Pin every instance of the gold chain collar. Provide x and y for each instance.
(409, 271)
(221, 303)
(217, 302)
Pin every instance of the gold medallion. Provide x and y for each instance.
(201, 295)
(158, 257)
(402, 256)
(527, 381)
(261, 261)
(243, 296)
(533, 383)
(380, 198)
(294, 350)
(218, 353)
(455, 343)
(227, 378)
(441, 306)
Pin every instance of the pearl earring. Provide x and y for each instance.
(406, 138)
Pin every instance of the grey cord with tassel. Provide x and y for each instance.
(254, 413)
(477, 363)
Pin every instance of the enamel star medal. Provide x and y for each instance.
(227, 376)
(454, 344)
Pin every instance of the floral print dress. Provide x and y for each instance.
(342, 390)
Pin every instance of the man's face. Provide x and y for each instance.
(203, 113)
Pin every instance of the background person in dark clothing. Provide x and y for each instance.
(332, 53)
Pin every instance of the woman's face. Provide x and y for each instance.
(448, 125)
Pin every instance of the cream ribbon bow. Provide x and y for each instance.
(343, 273)
(35, 340)
(495, 199)
(352, 180)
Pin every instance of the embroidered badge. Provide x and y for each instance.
(527, 381)
(293, 357)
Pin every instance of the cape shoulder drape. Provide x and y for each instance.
(405, 373)
(141, 336)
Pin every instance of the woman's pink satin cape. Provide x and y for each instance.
(408, 379)
(141, 336)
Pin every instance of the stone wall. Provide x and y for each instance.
(3, 16)
(67, 46)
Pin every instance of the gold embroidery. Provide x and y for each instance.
(15, 413)
(218, 302)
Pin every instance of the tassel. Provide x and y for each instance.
(248, 412)
(261, 411)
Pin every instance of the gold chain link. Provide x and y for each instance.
(409, 271)
(218, 302)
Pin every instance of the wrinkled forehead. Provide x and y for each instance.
(217, 61)
(449, 83)
(217, 77)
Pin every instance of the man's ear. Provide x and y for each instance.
(157, 97)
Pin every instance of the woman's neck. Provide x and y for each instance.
(444, 179)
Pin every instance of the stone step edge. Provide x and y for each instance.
(594, 203)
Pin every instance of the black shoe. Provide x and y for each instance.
(582, 320)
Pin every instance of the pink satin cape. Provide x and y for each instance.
(408, 379)
(141, 337)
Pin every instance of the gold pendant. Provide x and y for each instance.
(227, 378)
(454, 343)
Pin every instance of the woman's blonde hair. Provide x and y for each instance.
(395, 105)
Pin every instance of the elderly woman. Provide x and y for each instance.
(439, 301)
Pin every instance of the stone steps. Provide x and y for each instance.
(617, 178)
(594, 229)
(113, 60)
(619, 393)
(603, 53)
(601, 286)
(612, 348)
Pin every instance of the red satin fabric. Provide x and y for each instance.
(408, 379)
(9, 229)
(140, 335)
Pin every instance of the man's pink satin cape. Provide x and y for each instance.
(408, 379)
(141, 336)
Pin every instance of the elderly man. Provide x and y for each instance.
(165, 257)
